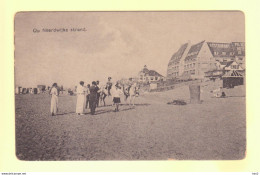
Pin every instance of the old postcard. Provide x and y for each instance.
(132, 85)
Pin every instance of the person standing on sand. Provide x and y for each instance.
(81, 98)
(87, 98)
(98, 93)
(132, 94)
(54, 99)
(93, 97)
(116, 92)
(109, 86)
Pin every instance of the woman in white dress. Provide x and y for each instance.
(81, 99)
(54, 99)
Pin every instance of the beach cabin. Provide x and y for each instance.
(232, 78)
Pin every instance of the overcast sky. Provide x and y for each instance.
(116, 44)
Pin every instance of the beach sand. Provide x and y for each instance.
(152, 130)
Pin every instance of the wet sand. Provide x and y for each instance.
(152, 130)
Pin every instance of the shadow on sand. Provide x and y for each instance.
(142, 104)
(103, 109)
(236, 96)
(66, 113)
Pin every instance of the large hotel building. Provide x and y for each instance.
(192, 61)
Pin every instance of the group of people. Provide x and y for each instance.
(92, 95)
(218, 93)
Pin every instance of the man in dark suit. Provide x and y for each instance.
(93, 97)
(98, 93)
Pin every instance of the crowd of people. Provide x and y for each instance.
(91, 96)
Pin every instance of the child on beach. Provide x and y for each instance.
(116, 96)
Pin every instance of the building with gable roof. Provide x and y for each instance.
(175, 65)
(198, 60)
(146, 75)
(233, 65)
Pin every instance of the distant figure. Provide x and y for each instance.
(223, 95)
(103, 95)
(137, 91)
(81, 98)
(98, 93)
(54, 99)
(116, 96)
(93, 97)
(109, 86)
(219, 93)
(132, 94)
(126, 89)
(87, 98)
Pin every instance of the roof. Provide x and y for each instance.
(224, 63)
(233, 73)
(238, 46)
(150, 72)
(194, 51)
(145, 70)
(177, 55)
(221, 49)
(227, 49)
(154, 73)
(229, 63)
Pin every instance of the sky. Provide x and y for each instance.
(116, 44)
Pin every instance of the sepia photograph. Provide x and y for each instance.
(130, 85)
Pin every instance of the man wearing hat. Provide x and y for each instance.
(98, 93)
(93, 97)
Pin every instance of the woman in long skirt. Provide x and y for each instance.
(54, 99)
(81, 99)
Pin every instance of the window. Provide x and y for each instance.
(156, 78)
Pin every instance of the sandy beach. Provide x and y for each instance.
(152, 130)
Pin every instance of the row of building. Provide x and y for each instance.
(206, 59)
(202, 60)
